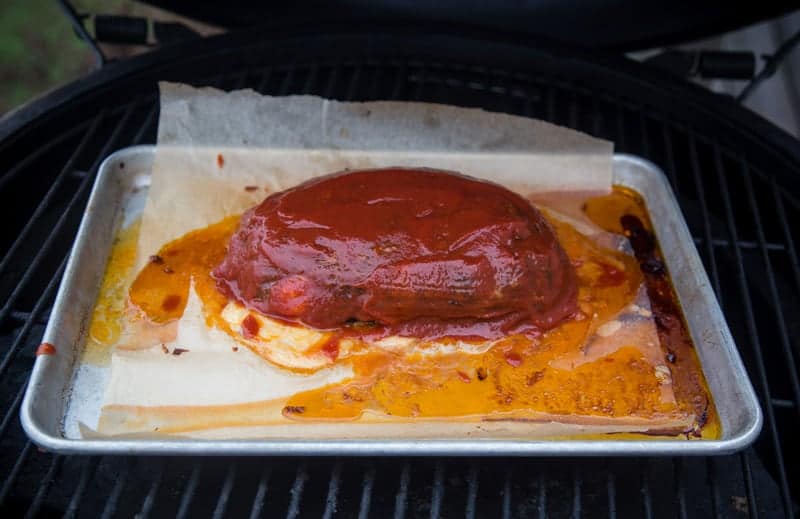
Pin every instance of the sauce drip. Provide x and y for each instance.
(161, 288)
(417, 253)
(45, 348)
(250, 327)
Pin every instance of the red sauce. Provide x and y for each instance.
(45, 348)
(331, 349)
(250, 327)
(513, 359)
(611, 276)
(171, 302)
(688, 382)
(419, 253)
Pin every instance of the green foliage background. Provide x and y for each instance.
(38, 48)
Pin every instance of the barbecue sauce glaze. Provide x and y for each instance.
(410, 252)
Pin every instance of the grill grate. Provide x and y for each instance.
(735, 188)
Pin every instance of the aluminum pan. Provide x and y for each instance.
(127, 171)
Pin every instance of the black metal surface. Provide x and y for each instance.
(120, 29)
(621, 25)
(734, 174)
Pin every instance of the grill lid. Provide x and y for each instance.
(622, 25)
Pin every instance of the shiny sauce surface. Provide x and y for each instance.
(413, 252)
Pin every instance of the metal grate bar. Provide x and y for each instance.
(287, 81)
(701, 197)
(677, 474)
(331, 84)
(620, 119)
(711, 480)
(542, 503)
(308, 87)
(577, 491)
(44, 486)
(22, 316)
(355, 80)
(148, 121)
(402, 80)
(402, 492)
(596, 118)
(790, 197)
(262, 85)
(11, 478)
(472, 491)
(225, 493)
(87, 473)
(423, 72)
(366, 493)
(38, 152)
(41, 304)
(747, 470)
(57, 228)
(527, 107)
(150, 497)
(438, 490)
(297, 492)
(647, 498)
(742, 244)
(188, 491)
(11, 414)
(645, 138)
(753, 333)
(672, 172)
(773, 288)
(572, 110)
(240, 81)
(110, 509)
(611, 493)
(333, 491)
(507, 494)
(46, 201)
(374, 88)
(787, 235)
(550, 103)
(261, 493)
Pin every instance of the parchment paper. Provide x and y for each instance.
(220, 153)
(212, 145)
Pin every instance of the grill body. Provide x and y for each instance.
(734, 175)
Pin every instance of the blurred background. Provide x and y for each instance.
(34, 59)
(40, 50)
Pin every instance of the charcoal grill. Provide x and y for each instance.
(735, 176)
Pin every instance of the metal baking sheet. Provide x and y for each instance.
(62, 388)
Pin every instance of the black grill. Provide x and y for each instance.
(736, 180)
